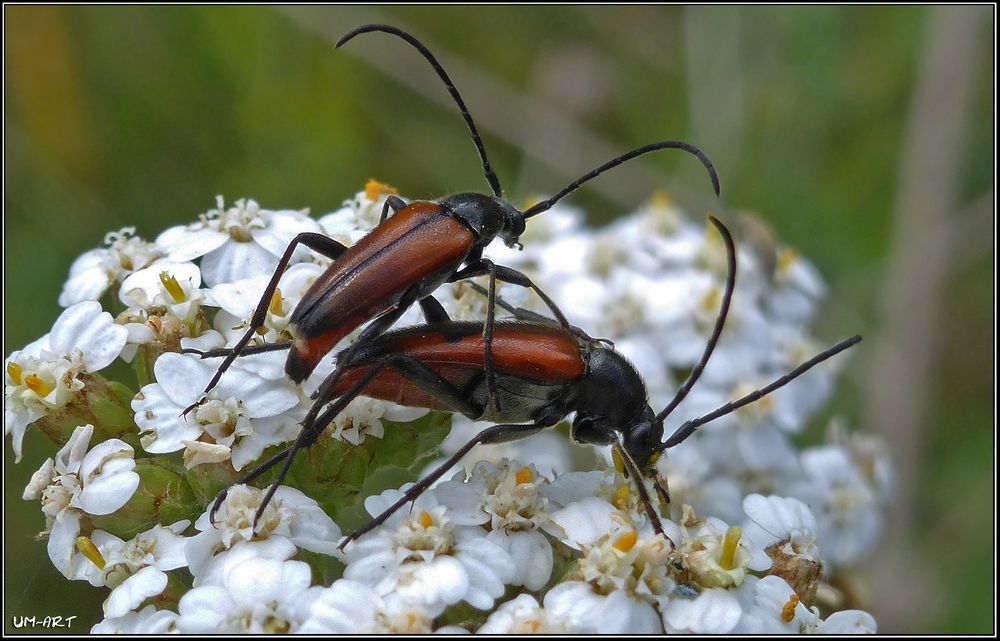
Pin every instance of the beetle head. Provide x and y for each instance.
(642, 440)
(513, 224)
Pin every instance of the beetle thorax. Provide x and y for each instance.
(487, 216)
(610, 399)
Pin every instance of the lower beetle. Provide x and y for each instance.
(544, 372)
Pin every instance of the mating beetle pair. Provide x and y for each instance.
(526, 374)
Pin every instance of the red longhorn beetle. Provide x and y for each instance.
(544, 372)
(408, 256)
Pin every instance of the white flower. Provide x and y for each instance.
(507, 498)
(778, 610)
(42, 377)
(797, 288)
(846, 507)
(238, 242)
(425, 558)
(166, 284)
(135, 570)
(290, 516)
(774, 519)
(98, 482)
(651, 282)
(621, 572)
(238, 301)
(256, 596)
(523, 615)
(711, 611)
(577, 606)
(711, 553)
(147, 621)
(751, 440)
(583, 523)
(595, 503)
(165, 305)
(713, 560)
(363, 417)
(351, 607)
(244, 412)
(98, 269)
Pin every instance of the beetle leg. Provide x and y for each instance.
(247, 351)
(517, 312)
(316, 242)
(311, 429)
(395, 203)
(486, 266)
(433, 311)
(254, 474)
(314, 423)
(514, 277)
(495, 434)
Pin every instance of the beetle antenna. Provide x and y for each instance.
(688, 428)
(545, 205)
(491, 177)
(720, 321)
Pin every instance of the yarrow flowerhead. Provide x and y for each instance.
(539, 535)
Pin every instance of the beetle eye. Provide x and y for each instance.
(642, 442)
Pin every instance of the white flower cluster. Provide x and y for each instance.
(536, 536)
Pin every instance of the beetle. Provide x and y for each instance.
(544, 372)
(407, 257)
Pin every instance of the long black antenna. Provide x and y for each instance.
(688, 428)
(611, 164)
(720, 321)
(491, 177)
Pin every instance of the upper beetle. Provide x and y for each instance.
(409, 255)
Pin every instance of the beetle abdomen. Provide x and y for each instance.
(418, 247)
(535, 351)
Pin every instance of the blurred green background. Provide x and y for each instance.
(862, 136)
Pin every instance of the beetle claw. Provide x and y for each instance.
(192, 406)
(216, 505)
(347, 539)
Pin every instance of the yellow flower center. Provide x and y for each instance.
(38, 386)
(626, 541)
(173, 287)
(662, 200)
(374, 189)
(617, 458)
(89, 550)
(14, 371)
(425, 520)
(523, 476)
(788, 610)
(622, 496)
(729, 546)
(276, 302)
(787, 258)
